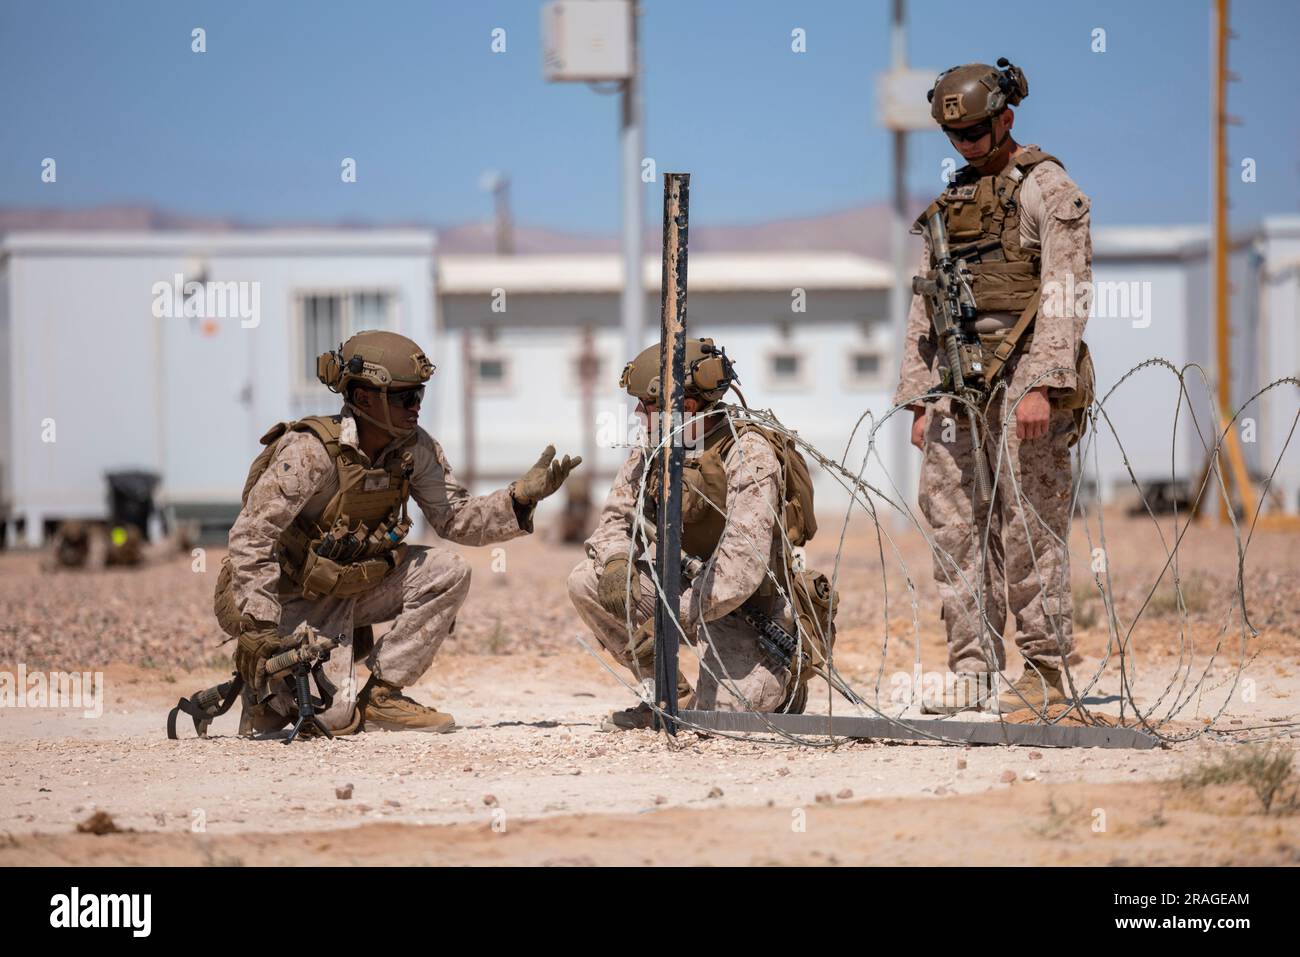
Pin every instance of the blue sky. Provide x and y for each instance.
(256, 127)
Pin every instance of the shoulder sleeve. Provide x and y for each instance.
(613, 534)
(1049, 191)
(744, 554)
(452, 511)
(298, 470)
(1062, 216)
(918, 373)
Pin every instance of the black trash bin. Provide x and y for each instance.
(130, 499)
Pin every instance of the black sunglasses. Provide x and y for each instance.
(969, 134)
(406, 398)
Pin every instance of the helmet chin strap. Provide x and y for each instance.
(387, 424)
(993, 152)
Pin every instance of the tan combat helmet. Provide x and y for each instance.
(977, 91)
(379, 360)
(709, 373)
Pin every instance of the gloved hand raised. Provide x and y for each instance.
(544, 478)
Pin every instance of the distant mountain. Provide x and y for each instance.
(863, 230)
(125, 217)
(480, 238)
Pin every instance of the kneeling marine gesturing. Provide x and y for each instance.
(321, 539)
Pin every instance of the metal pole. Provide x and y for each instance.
(1236, 475)
(946, 730)
(672, 398)
(1220, 173)
(503, 244)
(503, 226)
(467, 404)
(578, 507)
(900, 296)
(1220, 160)
(588, 367)
(630, 151)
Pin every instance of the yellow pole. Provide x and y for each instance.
(1221, 199)
(1235, 474)
(1220, 172)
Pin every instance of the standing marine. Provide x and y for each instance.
(1020, 225)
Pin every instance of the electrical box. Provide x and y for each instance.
(586, 40)
(901, 102)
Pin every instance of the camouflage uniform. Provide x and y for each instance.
(735, 675)
(421, 596)
(1054, 218)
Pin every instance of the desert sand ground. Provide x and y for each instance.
(530, 779)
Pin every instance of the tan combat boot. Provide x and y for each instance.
(383, 707)
(962, 691)
(1038, 687)
(642, 717)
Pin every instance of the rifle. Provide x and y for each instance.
(776, 642)
(779, 644)
(205, 706)
(952, 304)
(305, 659)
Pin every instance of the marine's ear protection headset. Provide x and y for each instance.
(709, 373)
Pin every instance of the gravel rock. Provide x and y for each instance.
(99, 823)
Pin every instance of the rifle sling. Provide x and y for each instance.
(203, 718)
(1008, 344)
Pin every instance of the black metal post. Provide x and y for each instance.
(672, 376)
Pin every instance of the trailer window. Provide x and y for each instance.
(330, 318)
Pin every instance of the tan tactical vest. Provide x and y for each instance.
(370, 504)
(704, 491)
(704, 503)
(982, 214)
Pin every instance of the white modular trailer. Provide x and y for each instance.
(825, 363)
(1276, 260)
(1155, 298)
(173, 352)
(110, 363)
(809, 334)
(1147, 303)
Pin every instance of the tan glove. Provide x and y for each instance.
(612, 588)
(258, 641)
(544, 478)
